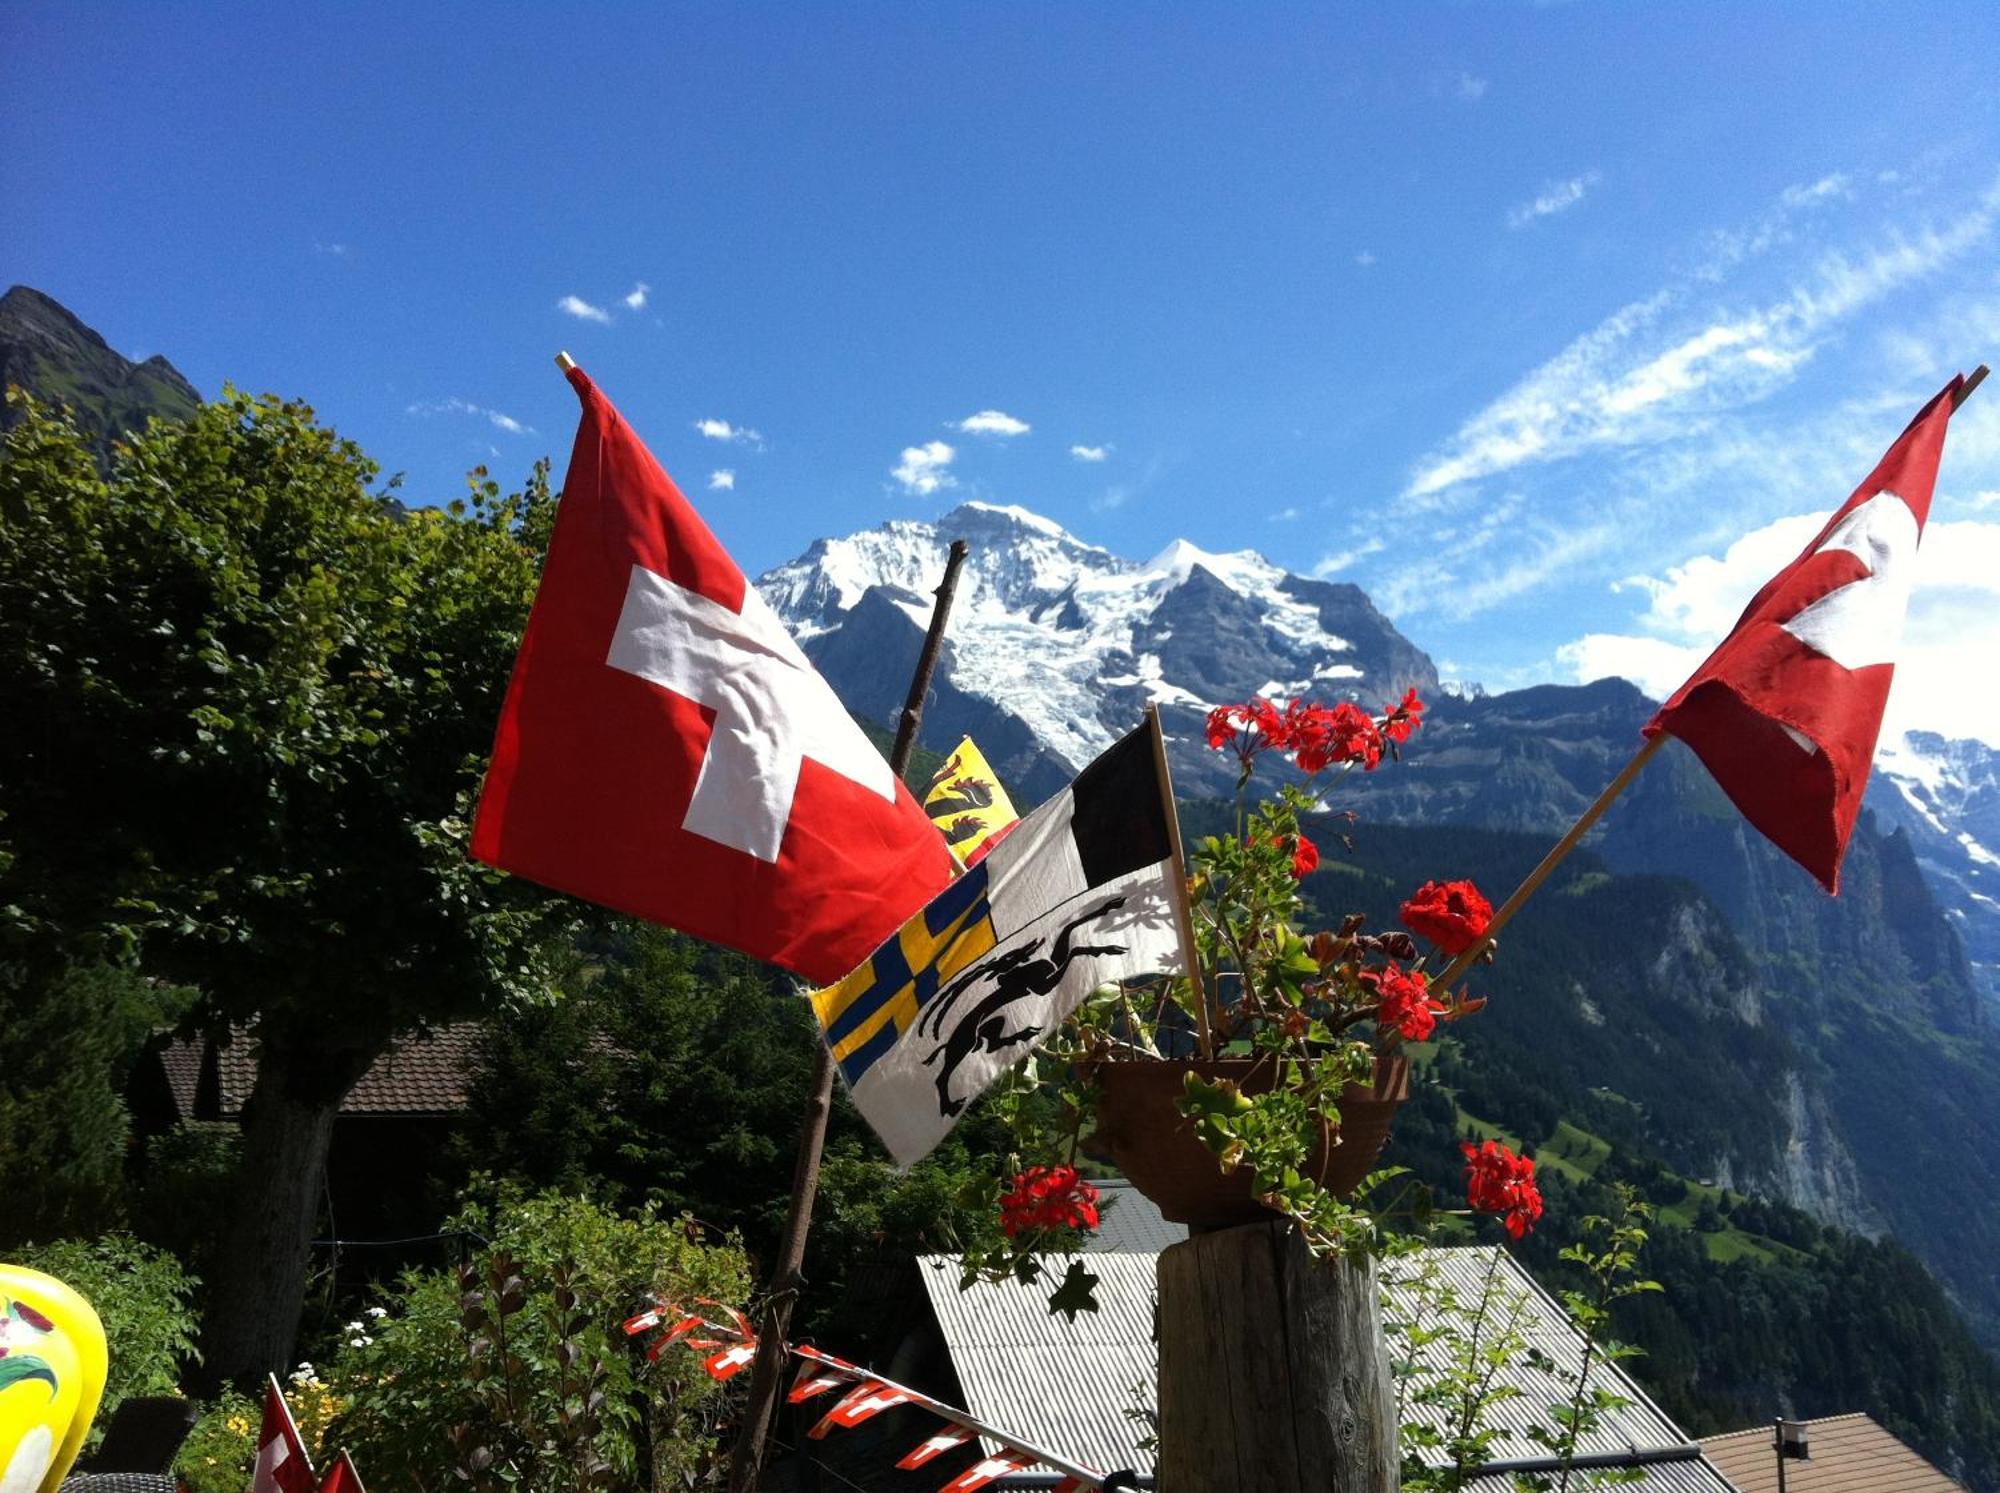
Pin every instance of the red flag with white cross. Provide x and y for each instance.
(1785, 712)
(666, 749)
(282, 1465)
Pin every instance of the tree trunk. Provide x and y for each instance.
(252, 1318)
(1273, 1372)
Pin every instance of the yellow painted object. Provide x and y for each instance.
(52, 1365)
(968, 805)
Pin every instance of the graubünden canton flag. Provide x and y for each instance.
(666, 749)
(1080, 894)
(1786, 711)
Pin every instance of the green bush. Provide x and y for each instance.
(141, 1294)
(425, 1384)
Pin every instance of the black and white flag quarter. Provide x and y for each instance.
(1082, 894)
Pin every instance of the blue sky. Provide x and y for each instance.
(1548, 325)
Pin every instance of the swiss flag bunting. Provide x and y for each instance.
(1786, 710)
(666, 750)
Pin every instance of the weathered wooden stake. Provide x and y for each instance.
(1273, 1371)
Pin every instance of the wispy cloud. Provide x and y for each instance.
(1283, 516)
(338, 251)
(1651, 370)
(1471, 89)
(1366, 258)
(1556, 197)
(721, 481)
(925, 469)
(456, 406)
(1090, 453)
(1954, 622)
(635, 299)
(993, 422)
(1339, 560)
(722, 430)
(582, 310)
(1807, 194)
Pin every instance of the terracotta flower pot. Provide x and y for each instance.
(1141, 1131)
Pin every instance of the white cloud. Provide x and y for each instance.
(926, 468)
(1334, 564)
(1284, 516)
(457, 406)
(993, 422)
(1952, 634)
(338, 251)
(1090, 453)
(721, 481)
(1807, 194)
(1472, 89)
(1366, 258)
(1556, 197)
(582, 310)
(722, 430)
(1112, 498)
(1644, 375)
(636, 299)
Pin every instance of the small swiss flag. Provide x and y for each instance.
(281, 1465)
(1786, 711)
(666, 749)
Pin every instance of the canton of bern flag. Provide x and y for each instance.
(1785, 712)
(667, 750)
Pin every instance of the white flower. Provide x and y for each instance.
(305, 1374)
(378, 1311)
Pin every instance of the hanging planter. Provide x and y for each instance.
(1142, 1131)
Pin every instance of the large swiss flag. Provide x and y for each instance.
(666, 750)
(1785, 712)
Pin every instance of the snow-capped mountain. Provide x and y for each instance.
(1056, 645)
(1946, 796)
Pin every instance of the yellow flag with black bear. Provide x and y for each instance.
(968, 805)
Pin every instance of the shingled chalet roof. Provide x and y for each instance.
(1850, 1454)
(423, 1074)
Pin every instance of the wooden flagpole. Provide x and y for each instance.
(786, 1273)
(1442, 984)
(565, 362)
(1183, 907)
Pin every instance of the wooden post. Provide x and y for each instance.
(765, 1372)
(1273, 1370)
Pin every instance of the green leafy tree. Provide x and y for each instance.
(248, 699)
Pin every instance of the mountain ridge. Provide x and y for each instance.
(48, 350)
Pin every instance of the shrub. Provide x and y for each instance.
(506, 1361)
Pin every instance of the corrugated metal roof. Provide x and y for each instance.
(1850, 1454)
(1064, 1385)
(1473, 1273)
(1690, 1476)
(1132, 1222)
(1069, 1385)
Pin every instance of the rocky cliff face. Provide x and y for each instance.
(46, 350)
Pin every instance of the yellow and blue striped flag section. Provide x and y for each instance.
(867, 1013)
(968, 805)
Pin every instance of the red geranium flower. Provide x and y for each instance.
(1305, 857)
(1048, 1197)
(1451, 914)
(1498, 1181)
(1405, 1004)
(1326, 734)
(1247, 729)
(1400, 720)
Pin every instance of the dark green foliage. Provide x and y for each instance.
(71, 1038)
(142, 1296)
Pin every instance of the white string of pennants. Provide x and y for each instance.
(730, 1347)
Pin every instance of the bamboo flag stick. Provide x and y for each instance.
(1183, 909)
(1618, 785)
(786, 1276)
